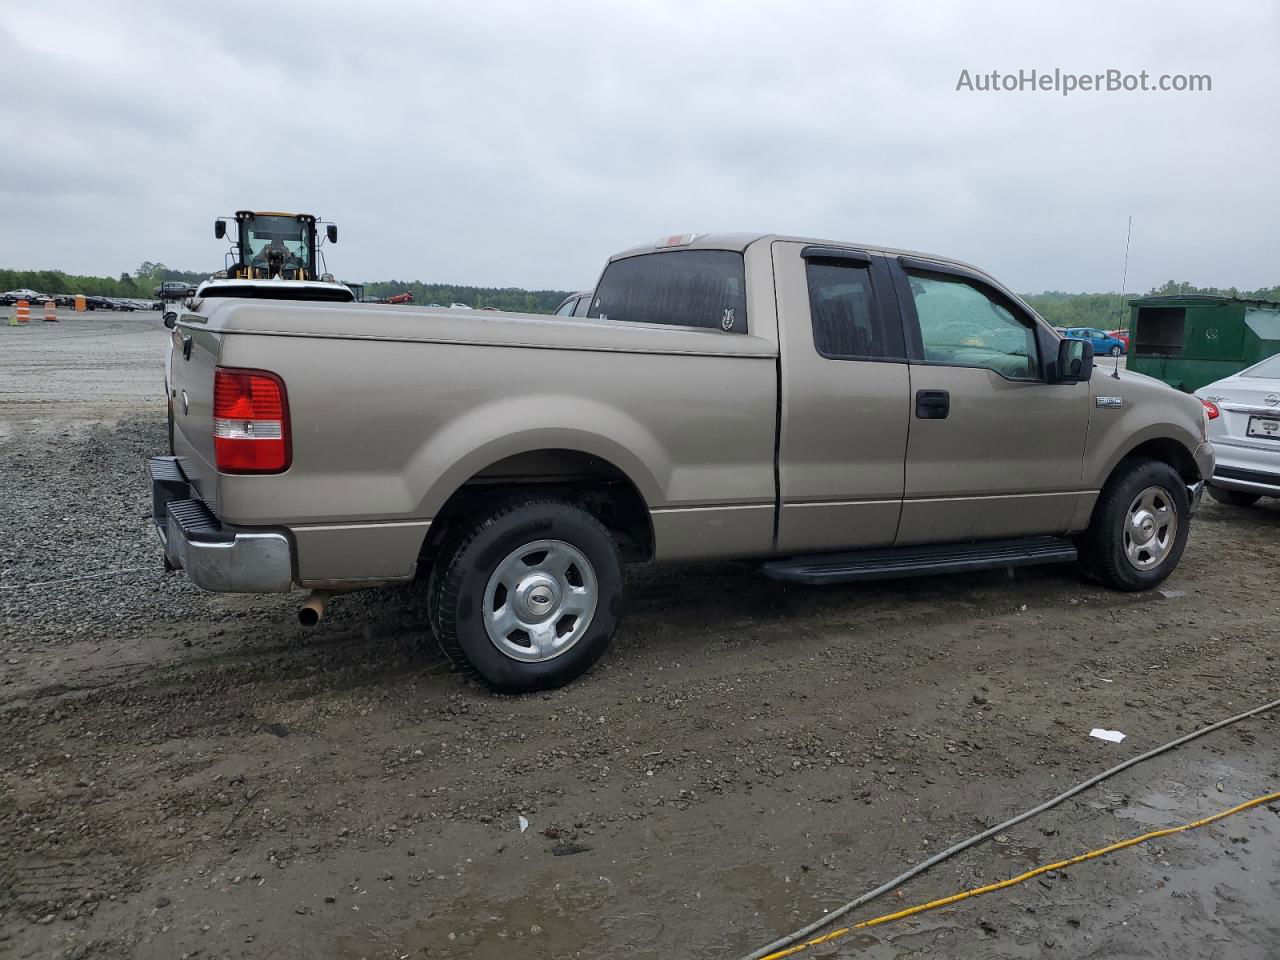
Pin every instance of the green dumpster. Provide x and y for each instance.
(1192, 340)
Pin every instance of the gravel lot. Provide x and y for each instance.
(185, 774)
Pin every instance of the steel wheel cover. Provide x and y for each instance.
(540, 600)
(1150, 528)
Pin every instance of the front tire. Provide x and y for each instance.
(1139, 526)
(529, 597)
(1234, 498)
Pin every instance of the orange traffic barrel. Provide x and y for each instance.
(23, 311)
(50, 312)
(81, 303)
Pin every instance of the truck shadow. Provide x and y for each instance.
(672, 611)
(710, 592)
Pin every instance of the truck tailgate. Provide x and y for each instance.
(193, 356)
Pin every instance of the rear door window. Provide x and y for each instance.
(847, 321)
(682, 288)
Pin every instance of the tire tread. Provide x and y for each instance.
(446, 581)
(1097, 558)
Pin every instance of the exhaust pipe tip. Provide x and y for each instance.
(313, 608)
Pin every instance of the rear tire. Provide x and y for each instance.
(1117, 350)
(529, 597)
(1234, 498)
(1139, 526)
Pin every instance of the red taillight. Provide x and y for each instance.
(250, 421)
(1211, 409)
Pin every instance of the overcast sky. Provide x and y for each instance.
(520, 144)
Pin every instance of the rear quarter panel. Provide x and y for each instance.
(384, 429)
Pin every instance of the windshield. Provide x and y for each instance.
(285, 238)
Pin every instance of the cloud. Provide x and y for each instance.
(502, 143)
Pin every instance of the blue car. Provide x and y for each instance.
(1103, 343)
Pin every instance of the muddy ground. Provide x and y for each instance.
(191, 775)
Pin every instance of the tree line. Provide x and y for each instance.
(1104, 310)
(150, 275)
(1110, 311)
(500, 298)
(139, 284)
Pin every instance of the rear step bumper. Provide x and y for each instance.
(215, 557)
(920, 561)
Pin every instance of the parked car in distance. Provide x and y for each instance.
(459, 306)
(10, 297)
(836, 412)
(1244, 426)
(1103, 343)
(575, 305)
(174, 290)
(1122, 335)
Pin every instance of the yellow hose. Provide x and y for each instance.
(992, 887)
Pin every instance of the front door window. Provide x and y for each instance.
(961, 326)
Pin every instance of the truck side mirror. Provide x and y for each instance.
(331, 231)
(219, 229)
(1075, 360)
(170, 320)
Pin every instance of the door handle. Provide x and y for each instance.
(932, 404)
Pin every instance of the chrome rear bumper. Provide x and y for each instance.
(214, 556)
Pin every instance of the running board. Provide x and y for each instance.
(920, 561)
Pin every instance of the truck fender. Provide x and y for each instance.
(508, 426)
(1187, 442)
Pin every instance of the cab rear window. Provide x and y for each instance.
(683, 288)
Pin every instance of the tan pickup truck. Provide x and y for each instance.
(837, 411)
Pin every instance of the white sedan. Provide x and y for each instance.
(1244, 425)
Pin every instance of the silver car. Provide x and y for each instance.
(1244, 426)
(575, 305)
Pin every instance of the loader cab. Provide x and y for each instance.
(274, 246)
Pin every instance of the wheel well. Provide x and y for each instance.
(1169, 451)
(588, 481)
